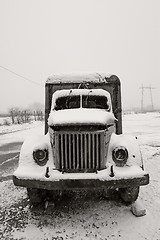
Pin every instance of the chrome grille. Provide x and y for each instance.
(79, 151)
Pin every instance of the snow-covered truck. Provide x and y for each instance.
(83, 146)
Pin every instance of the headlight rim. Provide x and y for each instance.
(41, 162)
(120, 162)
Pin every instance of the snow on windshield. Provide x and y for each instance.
(86, 98)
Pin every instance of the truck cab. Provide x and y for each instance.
(83, 146)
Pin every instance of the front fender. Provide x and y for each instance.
(30, 145)
(131, 144)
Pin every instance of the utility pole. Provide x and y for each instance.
(142, 96)
(150, 88)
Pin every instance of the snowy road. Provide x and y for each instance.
(9, 151)
(11, 139)
(84, 215)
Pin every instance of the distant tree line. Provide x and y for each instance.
(24, 116)
(19, 115)
(38, 115)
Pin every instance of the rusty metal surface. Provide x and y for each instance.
(73, 184)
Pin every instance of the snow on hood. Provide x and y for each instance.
(81, 116)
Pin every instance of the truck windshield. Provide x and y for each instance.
(91, 101)
(88, 101)
(69, 102)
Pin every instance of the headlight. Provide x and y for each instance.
(120, 156)
(40, 157)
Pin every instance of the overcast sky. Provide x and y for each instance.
(42, 37)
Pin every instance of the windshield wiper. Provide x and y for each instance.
(68, 98)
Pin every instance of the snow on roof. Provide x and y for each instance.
(89, 77)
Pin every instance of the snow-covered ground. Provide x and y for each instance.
(87, 215)
(19, 132)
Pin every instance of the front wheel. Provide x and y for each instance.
(36, 195)
(130, 194)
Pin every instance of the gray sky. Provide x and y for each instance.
(42, 37)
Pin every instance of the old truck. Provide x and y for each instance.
(83, 146)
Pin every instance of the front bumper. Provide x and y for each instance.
(123, 178)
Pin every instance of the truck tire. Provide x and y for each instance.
(129, 195)
(55, 195)
(36, 195)
(109, 193)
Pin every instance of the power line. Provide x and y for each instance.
(27, 79)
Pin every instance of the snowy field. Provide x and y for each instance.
(19, 132)
(86, 215)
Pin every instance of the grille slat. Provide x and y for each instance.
(66, 160)
(93, 151)
(74, 156)
(97, 152)
(69, 160)
(79, 151)
(81, 161)
(61, 152)
(89, 150)
(85, 151)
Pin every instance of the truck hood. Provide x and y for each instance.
(81, 116)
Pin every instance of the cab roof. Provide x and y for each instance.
(78, 78)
